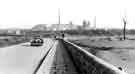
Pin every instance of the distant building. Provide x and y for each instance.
(39, 27)
(15, 31)
(55, 27)
(86, 24)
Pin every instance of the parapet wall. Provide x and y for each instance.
(87, 63)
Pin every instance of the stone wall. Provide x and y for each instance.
(87, 63)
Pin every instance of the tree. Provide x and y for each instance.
(124, 28)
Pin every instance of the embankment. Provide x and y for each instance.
(87, 63)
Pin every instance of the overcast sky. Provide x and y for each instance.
(27, 13)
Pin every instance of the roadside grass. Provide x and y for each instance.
(120, 53)
(12, 41)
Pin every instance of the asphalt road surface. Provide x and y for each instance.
(22, 58)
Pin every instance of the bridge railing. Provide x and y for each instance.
(87, 63)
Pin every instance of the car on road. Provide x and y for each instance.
(37, 42)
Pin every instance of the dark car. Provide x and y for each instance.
(37, 42)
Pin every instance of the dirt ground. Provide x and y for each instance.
(120, 53)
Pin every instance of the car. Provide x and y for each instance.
(37, 42)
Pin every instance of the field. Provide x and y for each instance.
(120, 53)
(11, 40)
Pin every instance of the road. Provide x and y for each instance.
(26, 59)
(22, 58)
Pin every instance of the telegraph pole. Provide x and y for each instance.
(95, 22)
(58, 18)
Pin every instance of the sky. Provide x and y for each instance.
(27, 13)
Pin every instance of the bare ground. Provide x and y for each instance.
(120, 53)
